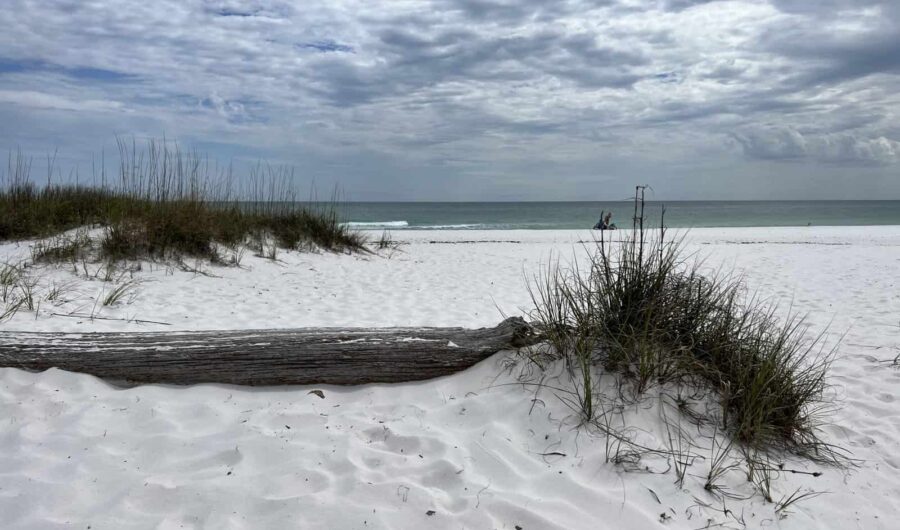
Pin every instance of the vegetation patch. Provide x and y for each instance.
(641, 316)
(164, 204)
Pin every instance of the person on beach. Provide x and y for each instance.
(603, 223)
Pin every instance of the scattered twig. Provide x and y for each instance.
(95, 317)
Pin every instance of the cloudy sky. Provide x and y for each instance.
(475, 99)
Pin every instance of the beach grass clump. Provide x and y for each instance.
(9, 278)
(642, 309)
(119, 293)
(170, 228)
(320, 227)
(62, 248)
(165, 203)
(28, 210)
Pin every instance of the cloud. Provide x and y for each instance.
(40, 100)
(825, 8)
(851, 41)
(785, 143)
(414, 95)
(679, 5)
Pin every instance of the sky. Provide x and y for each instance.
(473, 99)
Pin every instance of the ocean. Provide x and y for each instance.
(576, 215)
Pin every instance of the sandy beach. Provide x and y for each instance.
(478, 449)
(468, 278)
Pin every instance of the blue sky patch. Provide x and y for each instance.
(13, 66)
(235, 13)
(18, 66)
(97, 74)
(326, 46)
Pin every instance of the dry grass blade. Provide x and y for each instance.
(9, 277)
(27, 294)
(11, 308)
(119, 293)
(789, 500)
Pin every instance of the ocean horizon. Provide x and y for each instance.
(539, 215)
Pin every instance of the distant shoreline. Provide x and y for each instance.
(584, 215)
(405, 229)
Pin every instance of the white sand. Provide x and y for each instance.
(76, 452)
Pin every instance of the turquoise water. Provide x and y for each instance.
(569, 215)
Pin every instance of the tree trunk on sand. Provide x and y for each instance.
(265, 357)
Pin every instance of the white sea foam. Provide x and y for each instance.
(377, 224)
(452, 227)
(372, 225)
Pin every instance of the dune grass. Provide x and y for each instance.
(166, 203)
(643, 310)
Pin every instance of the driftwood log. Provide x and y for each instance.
(265, 357)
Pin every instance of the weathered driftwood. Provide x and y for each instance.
(265, 357)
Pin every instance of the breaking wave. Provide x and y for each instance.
(378, 224)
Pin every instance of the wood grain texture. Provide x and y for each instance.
(265, 357)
